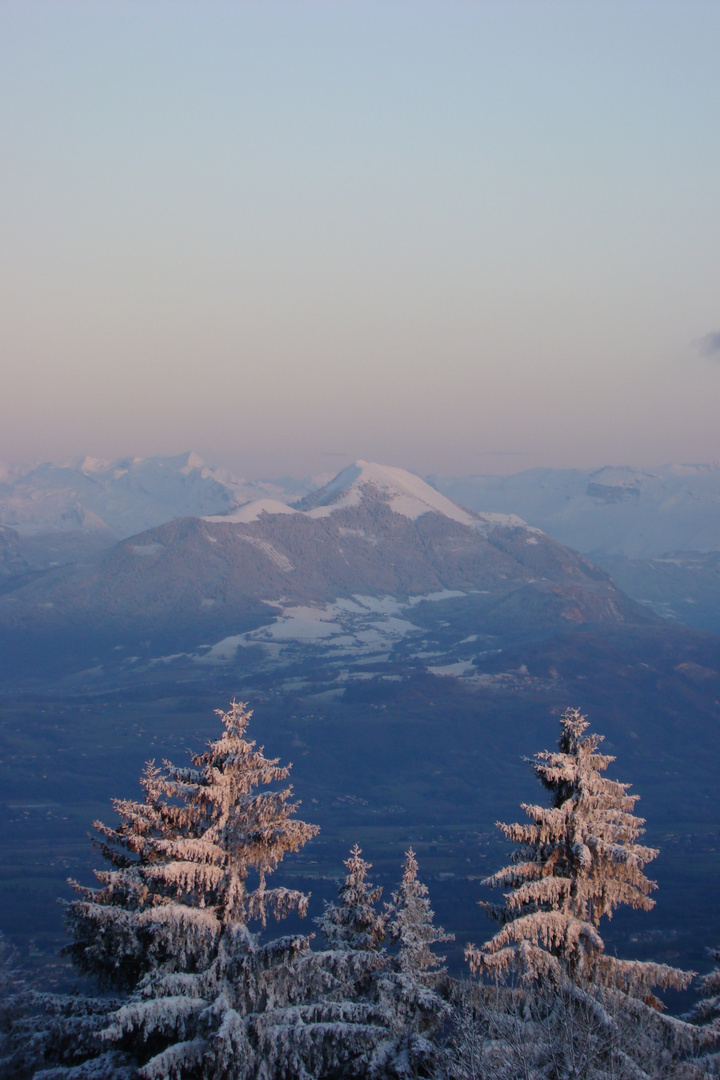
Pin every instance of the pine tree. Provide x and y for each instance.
(413, 986)
(551, 1031)
(354, 924)
(129, 924)
(707, 1010)
(410, 924)
(399, 992)
(575, 862)
(706, 1015)
(181, 859)
(168, 924)
(273, 1010)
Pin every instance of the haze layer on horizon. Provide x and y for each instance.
(457, 237)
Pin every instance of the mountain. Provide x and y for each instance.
(113, 500)
(364, 567)
(607, 512)
(365, 483)
(655, 532)
(13, 555)
(402, 650)
(632, 513)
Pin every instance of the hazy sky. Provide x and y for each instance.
(453, 236)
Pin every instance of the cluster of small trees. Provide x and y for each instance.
(184, 990)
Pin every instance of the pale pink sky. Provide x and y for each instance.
(457, 237)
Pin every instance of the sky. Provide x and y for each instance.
(456, 237)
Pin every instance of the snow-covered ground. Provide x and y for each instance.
(353, 629)
(351, 639)
(356, 638)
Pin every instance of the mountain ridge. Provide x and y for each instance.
(611, 511)
(123, 497)
(373, 531)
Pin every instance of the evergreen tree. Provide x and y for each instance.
(399, 992)
(410, 924)
(551, 1031)
(129, 925)
(706, 1015)
(577, 860)
(413, 987)
(258, 1012)
(168, 923)
(181, 860)
(707, 1010)
(354, 924)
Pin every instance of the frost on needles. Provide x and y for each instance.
(188, 991)
(167, 927)
(576, 861)
(190, 860)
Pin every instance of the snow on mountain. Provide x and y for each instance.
(373, 531)
(365, 484)
(405, 494)
(614, 511)
(124, 497)
(252, 511)
(606, 512)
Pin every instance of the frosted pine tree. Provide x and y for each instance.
(412, 986)
(354, 922)
(707, 1010)
(169, 922)
(181, 861)
(411, 926)
(129, 924)
(706, 1015)
(576, 861)
(354, 928)
(257, 1012)
(398, 991)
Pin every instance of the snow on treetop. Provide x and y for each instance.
(406, 494)
(251, 511)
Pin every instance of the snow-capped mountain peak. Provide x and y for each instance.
(251, 511)
(124, 497)
(405, 494)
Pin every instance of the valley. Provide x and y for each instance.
(405, 653)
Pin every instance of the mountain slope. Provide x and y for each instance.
(372, 531)
(121, 498)
(609, 512)
(365, 483)
(13, 555)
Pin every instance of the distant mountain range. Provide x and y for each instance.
(123, 497)
(656, 532)
(358, 559)
(612, 511)
(632, 513)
